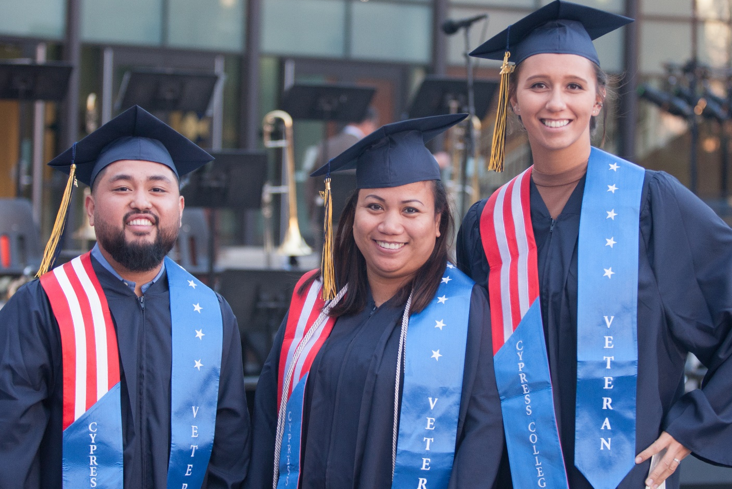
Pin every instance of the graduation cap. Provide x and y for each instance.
(391, 156)
(135, 134)
(560, 28)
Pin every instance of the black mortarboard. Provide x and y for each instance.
(394, 154)
(135, 134)
(559, 27)
(391, 156)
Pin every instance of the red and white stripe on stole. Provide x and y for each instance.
(304, 311)
(509, 245)
(88, 337)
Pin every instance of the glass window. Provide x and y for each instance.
(713, 9)
(303, 27)
(400, 1)
(714, 44)
(212, 24)
(478, 33)
(393, 32)
(33, 18)
(530, 4)
(667, 7)
(616, 6)
(610, 49)
(127, 22)
(663, 42)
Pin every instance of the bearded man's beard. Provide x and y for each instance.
(136, 257)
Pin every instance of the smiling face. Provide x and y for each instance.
(136, 209)
(395, 229)
(556, 95)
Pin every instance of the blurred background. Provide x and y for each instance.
(216, 69)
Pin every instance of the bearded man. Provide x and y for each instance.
(119, 368)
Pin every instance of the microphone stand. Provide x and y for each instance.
(469, 136)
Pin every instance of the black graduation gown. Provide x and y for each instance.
(31, 390)
(684, 305)
(349, 406)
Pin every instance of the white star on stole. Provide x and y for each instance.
(198, 365)
(197, 308)
(191, 283)
(612, 188)
(440, 324)
(436, 355)
(450, 265)
(445, 280)
(611, 214)
(608, 272)
(610, 242)
(442, 300)
(199, 334)
(614, 166)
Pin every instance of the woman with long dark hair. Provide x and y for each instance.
(390, 383)
(601, 277)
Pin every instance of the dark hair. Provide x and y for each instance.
(350, 265)
(602, 80)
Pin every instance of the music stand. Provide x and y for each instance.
(26, 80)
(328, 102)
(234, 180)
(166, 90)
(437, 93)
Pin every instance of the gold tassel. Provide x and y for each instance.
(58, 227)
(327, 269)
(498, 149)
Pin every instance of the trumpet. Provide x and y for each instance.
(293, 244)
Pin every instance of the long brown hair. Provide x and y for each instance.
(350, 265)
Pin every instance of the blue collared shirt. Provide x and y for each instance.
(97, 254)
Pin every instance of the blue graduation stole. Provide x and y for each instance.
(433, 380)
(197, 329)
(607, 316)
(92, 420)
(433, 375)
(606, 322)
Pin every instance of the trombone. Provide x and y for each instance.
(293, 244)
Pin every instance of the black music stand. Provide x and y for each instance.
(328, 102)
(234, 180)
(166, 90)
(444, 95)
(437, 94)
(26, 80)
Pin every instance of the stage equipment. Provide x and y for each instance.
(234, 180)
(331, 102)
(167, 90)
(20, 239)
(457, 184)
(438, 95)
(666, 101)
(293, 244)
(451, 27)
(26, 80)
